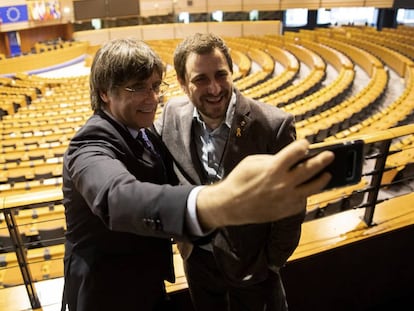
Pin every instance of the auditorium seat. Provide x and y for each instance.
(44, 263)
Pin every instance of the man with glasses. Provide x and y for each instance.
(122, 202)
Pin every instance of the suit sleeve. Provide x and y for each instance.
(120, 200)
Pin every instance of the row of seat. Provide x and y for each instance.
(303, 106)
(279, 80)
(39, 171)
(32, 220)
(44, 263)
(35, 237)
(28, 187)
(34, 141)
(323, 99)
(397, 47)
(351, 110)
(309, 84)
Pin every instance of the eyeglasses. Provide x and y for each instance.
(158, 89)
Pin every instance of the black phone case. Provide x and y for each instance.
(346, 169)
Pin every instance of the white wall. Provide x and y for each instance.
(178, 31)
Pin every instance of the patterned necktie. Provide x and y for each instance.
(143, 138)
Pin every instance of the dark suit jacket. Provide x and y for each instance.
(120, 217)
(244, 253)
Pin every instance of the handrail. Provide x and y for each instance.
(382, 141)
(374, 137)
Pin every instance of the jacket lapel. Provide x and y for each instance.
(239, 141)
(182, 149)
(239, 250)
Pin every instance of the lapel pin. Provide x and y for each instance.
(239, 129)
(238, 132)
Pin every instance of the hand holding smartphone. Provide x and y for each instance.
(346, 168)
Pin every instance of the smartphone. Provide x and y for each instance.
(346, 169)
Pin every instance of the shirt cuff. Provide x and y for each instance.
(191, 218)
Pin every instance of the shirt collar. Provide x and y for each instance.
(229, 113)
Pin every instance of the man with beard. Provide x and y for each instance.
(208, 133)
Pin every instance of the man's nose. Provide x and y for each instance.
(214, 87)
(153, 96)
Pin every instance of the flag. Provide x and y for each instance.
(13, 14)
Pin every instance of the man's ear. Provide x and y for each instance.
(104, 96)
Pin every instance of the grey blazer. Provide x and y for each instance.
(244, 253)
